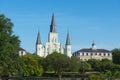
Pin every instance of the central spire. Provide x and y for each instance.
(53, 26)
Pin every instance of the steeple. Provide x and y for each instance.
(68, 39)
(93, 46)
(53, 26)
(38, 39)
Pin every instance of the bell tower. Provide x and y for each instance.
(68, 46)
(53, 35)
(39, 49)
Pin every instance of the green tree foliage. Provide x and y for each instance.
(116, 67)
(95, 64)
(116, 56)
(32, 67)
(102, 65)
(94, 77)
(57, 62)
(39, 59)
(106, 64)
(74, 64)
(84, 66)
(116, 74)
(9, 58)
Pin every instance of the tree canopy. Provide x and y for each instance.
(57, 62)
(116, 56)
(32, 67)
(9, 58)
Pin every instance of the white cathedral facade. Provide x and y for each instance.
(52, 44)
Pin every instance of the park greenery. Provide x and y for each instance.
(12, 64)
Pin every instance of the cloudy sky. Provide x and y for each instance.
(86, 20)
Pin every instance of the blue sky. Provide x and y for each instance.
(87, 20)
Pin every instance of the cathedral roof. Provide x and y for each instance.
(68, 39)
(38, 39)
(91, 50)
(53, 26)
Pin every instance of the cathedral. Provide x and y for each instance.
(52, 44)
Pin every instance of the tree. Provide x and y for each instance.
(74, 64)
(94, 77)
(84, 66)
(39, 59)
(32, 67)
(106, 64)
(9, 58)
(95, 64)
(116, 56)
(116, 74)
(57, 62)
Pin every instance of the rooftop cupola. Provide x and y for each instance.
(93, 46)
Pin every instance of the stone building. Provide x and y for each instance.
(93, 53)
(22, 51)
(52, 44)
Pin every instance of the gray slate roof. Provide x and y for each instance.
(90, 50)
(21, 49)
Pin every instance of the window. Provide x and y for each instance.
(83, 54)
(22, 53)
(95, 53)
(87, 54)
(91, 54)
(104, 54)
